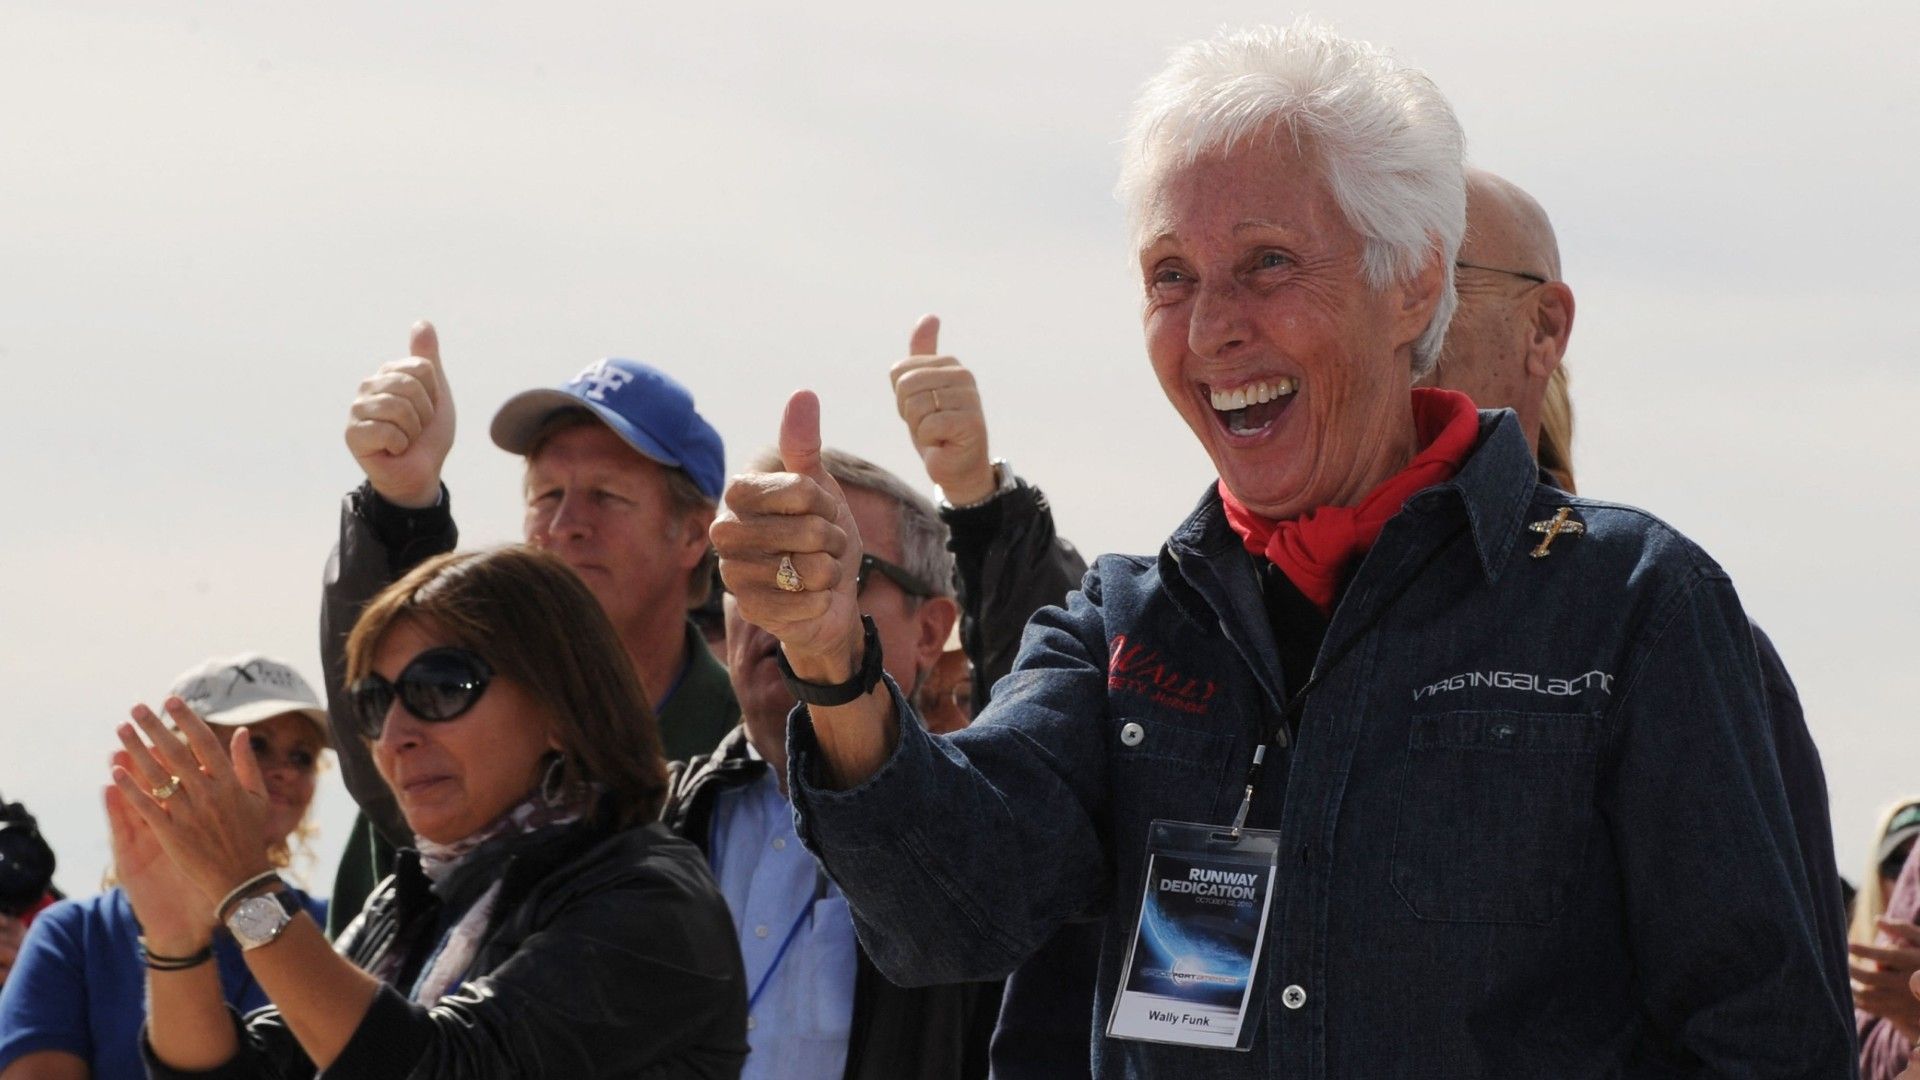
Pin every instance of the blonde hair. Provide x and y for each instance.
(1556, 429)
(1870, 900)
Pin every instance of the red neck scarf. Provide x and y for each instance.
(1315, 549)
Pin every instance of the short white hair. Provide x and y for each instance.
(1385, 140)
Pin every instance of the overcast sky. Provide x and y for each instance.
(212, 225)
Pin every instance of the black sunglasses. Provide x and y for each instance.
(893, 572)
(1895, 862)
(439, 684)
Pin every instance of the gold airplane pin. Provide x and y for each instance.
(1562, 523)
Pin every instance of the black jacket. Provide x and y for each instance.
(1011, 563)
(924, 1033)
(610, 954)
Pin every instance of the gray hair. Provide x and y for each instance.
(923, 536)
(1387, 142)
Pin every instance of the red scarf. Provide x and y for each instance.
(1315, 549)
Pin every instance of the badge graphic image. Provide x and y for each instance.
(1196, 949)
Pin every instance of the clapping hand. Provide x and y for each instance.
(1882, 985)
(204, 804)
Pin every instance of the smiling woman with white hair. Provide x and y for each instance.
(1394, 761)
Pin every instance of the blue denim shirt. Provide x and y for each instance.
(1532, 823)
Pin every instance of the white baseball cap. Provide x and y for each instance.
(238, 690)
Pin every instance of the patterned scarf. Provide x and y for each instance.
(441, 863)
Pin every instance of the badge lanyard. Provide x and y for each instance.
(806, 910)
(1296, 705)
(1195, 953)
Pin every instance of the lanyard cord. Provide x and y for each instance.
(1296, 704)
(806, 909)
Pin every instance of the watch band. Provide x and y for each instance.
(831, 694)
(1002, 483)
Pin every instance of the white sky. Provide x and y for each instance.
(212, 225)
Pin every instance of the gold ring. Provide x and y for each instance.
(787, 579)
(165, 791)
(936, 401)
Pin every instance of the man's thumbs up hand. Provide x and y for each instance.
(940, 402)
(790, 552)
(400, 426)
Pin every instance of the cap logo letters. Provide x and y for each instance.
(601, 378)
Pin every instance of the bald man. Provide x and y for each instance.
(1503, 349)
(1515, 315)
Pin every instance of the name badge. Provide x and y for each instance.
(1196, 949)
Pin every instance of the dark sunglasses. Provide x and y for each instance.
(893, 572)
(439, 684)
(1891, 866)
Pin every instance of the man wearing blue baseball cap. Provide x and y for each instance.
(623, 476)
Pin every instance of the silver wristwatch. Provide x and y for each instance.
(1002, 483)
(257, 920)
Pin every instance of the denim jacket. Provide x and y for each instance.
(1531, 824)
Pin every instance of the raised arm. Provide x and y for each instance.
(1009, 561)
(400, 429)
(790, 555)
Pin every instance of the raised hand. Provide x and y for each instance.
(1886, 979)
(800, 515)
(400, 427)
(206, 804)
(940, 402)
(175, 917)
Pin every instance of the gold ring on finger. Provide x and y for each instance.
(787, 579)
(936, 401)
(165, 791)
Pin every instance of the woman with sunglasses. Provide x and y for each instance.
(73, 1006)
(545, 927)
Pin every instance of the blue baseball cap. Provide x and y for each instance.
(642, 404)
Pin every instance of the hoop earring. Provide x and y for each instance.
(553, 781)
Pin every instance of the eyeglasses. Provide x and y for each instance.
(439, 684)
(899, 575)
(1535, 278)
(1896, 861)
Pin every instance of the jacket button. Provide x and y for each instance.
(1293, 997)
(1132, 734)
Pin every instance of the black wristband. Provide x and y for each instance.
(862, 683)
(156, 962)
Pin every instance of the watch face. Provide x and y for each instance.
(258, 920)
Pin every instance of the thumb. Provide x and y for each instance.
(424, 341)
(800, 443)
(246, 767)
(926, 337)
(800, 435)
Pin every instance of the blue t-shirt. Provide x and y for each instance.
(79, 986)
